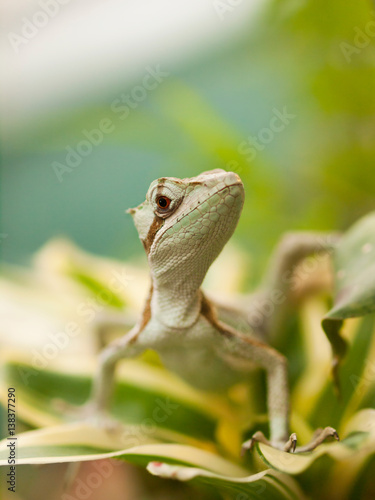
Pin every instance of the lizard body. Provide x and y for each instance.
(183, 225)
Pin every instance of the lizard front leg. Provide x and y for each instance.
(95, 410)
(236, 347)
(239, 347)
(122, 348)
(241, 352)
(125, 347)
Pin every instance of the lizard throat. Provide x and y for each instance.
(175, 309)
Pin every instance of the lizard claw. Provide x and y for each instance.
(290, 445)
(258, 437)
(249, 444)
(335, 434)
(319, 436)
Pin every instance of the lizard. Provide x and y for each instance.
(183, 225)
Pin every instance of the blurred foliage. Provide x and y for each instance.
(315, 174)
(312, 58)
(96, 287)
(198, 436)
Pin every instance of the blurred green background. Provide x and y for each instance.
(314, 59)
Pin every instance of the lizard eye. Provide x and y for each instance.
(163, 202)
(165, 199)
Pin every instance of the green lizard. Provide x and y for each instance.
(183, 225)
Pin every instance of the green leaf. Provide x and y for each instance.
(267, 484)
(145, 396)
(354, 265)
(98, 288)
(331, 410)
(355, 271)
(81, 442)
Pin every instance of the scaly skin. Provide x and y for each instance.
(181, 241)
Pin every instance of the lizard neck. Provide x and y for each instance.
(176, 305)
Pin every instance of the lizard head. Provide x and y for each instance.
(185, 223)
